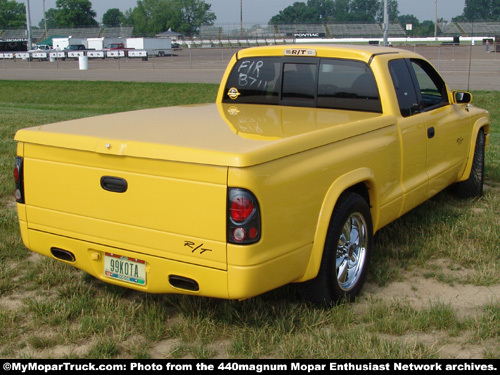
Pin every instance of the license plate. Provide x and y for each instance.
(126, 269)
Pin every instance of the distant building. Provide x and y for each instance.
(169, 34)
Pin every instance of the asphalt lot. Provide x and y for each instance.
(463, 67)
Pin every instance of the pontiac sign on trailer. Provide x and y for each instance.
(309, 35)
(13, 45)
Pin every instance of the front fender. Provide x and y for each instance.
(481, 123)
(345, 182)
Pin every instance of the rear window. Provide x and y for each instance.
(311, 82)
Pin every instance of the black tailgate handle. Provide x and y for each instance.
(114, 184)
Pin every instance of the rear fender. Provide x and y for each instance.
(343, 183)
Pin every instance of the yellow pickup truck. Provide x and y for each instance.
(307, 152)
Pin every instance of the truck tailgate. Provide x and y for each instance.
(168, 209)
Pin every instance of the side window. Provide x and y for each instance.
(403, 85)
(347, 84)
(432, 88)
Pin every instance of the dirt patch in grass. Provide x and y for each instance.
(421, 292)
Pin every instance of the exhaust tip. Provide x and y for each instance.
(62, 254)
(183, 283)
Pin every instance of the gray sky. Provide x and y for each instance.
(261, 11)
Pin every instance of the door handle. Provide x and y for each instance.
(431, 132)
(114, 184)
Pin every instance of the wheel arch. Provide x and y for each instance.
(360, 181)
(483, 124)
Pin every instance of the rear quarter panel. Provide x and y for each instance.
(297, 194)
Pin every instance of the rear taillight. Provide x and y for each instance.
(18, 178)
(243, 217)
(241, 209)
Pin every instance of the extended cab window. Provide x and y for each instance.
(347, 84)
(311, 82)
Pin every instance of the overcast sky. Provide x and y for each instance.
(261, 11)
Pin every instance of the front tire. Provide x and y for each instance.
(473, 186)
(346, 254)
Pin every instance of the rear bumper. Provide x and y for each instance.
(89, 257)
(238, 282)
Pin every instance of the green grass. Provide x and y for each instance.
(46, 305)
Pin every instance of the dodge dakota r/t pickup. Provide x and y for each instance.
(305, 155)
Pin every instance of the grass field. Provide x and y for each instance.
(432, 291)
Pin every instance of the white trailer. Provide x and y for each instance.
(60, 44)
(95, 43)
(152, 46)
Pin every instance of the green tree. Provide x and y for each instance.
(495, 9)
(426, 28)
(193, 14)
(341, 10)
(297, 13)
(364, 10)
(324, 11)
(422, 29)
(392, 11)
(113, 18)
(12, 15)
(407, 19)
(71, 13)
(480, 10)
(150, 17)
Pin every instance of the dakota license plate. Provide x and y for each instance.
(127, 269)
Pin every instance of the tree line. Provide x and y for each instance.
(150, 17)
(372, 11)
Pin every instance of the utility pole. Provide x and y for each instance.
(44, 20)
(386, 23)
(241, 19)
(28, 23)
(436, 21)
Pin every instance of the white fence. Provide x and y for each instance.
(46, 55)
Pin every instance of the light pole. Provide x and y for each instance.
(28, 23)
(44, 20)
(436, 21)
(241, 19)
(386, 23)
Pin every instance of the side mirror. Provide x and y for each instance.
(462, 97)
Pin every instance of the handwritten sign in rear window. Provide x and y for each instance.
(254, 80)
(250, 74)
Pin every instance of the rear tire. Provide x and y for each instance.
(473, 186)
(346, 254)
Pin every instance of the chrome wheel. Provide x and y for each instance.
(346, 254)
(351, 251)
